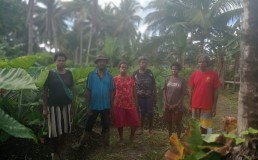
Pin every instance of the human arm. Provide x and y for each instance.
(190, 99)
(135, 97)
(45, 95)
(87, 100)
(215, 99)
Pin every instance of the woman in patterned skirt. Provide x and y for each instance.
(125, 104)
(58, 103)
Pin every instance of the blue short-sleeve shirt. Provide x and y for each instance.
(100, 89)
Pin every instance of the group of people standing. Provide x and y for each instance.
(130, 99)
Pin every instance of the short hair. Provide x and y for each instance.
(59, 54)
(206, 57)
(142, 58)
(122, 62)
(176, 64)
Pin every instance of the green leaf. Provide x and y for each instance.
(81, 73)
(42, 78)
(16, 79)
(4, 136)
(250, 130)
(239, 140)
(209, 138)
(232, 136)
(23, 62)
(195, 137)
(14, 128)
(3, 63)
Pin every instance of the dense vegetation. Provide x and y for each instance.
(177, 30)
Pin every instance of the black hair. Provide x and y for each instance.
(206, 57)
(176, 64)
(122, 62)
(59, 54)
(141, 58)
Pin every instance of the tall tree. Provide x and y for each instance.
(50, 20)
(30, 25)
(248, 94)
(199, 18)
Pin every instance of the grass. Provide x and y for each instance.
(153, 146)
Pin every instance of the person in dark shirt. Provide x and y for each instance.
(175, 88)
(146, 93)
(58, 101)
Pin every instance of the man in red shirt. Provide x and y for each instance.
(204, 84)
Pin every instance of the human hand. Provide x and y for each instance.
(89, 111)
(213, 112)
(189, 110)
(45, 112)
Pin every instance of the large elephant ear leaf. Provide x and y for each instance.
(3, 63)
(42, 78)
(80, 74)
(14, 128)
(23, 62)
(16, 79)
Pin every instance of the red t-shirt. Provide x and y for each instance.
(124, 92)
(203, 84)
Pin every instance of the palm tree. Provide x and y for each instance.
(198, 18)
(30, 25)
(247, 103)
(50, 20)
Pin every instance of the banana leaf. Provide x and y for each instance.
(14, 128)
(16, 79)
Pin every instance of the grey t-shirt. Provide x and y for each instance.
(174, 88)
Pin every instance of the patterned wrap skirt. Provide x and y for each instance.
(204, 116)
(59, 120)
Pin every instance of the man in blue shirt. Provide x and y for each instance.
(99, 99)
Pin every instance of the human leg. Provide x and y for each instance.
(86, 133)
(133, 129)
(105, 122)
(205, 120)
(150, 111)
(142, 113)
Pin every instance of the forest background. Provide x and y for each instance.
(31, 31)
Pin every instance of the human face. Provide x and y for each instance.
(202, 63)
(101, 64)
(123, 69)
(143, 64)
(60, 62)
(174, 70)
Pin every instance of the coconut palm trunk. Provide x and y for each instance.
(30, 23)
(248, 95)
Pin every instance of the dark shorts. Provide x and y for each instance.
(146, 106)
(105, 120)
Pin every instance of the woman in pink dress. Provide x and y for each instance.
(125, 103)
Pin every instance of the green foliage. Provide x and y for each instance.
(13, 127)
(249, 131)
(16, 79)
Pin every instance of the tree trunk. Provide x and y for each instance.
(89, 45)
(30, 24)
(248, 95)
(81, 45)
(221, 66)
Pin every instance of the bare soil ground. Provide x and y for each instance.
(146, 147)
